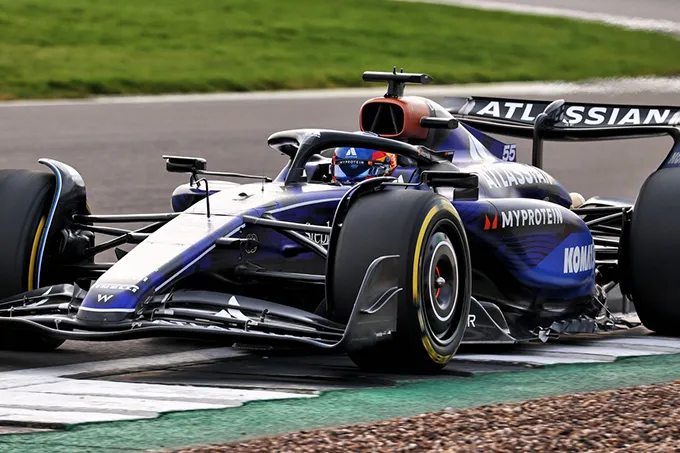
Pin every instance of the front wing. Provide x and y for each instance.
(53, 313)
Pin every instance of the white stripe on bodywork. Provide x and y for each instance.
(49, 219)
(107, 310)
(168, 243)
(234, 231)
(305, 203)
(478, 151)
(181, 271)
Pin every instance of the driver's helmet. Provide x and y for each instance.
(351, 165)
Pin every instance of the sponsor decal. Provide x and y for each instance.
(104, 298)
(354, 161)
(491, 225)
(319, 238)
(471, 320)
(251, 243)
(351, 152)
(509, 152)
(674, 159)
(498, 176)
(509, 110)
(579, 259)
(119, 287)
(619, 116)
(581, 115)
(170, 322)
(518, 218)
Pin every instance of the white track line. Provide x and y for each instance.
(634, 23)
(530, 359)
(48, 395)
(45, 374)
(604, 349)
(597, 86)
(44, 395)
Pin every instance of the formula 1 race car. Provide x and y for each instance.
(459, 244)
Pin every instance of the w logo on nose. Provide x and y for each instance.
(104, 298)
(488, 225)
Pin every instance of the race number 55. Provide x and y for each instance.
(509, 152)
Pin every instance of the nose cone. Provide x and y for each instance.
(172, 252)
(111, 302)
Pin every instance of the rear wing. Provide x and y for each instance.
(559, 120)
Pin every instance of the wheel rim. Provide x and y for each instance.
(441, 274)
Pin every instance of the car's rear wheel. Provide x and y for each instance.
(650, 253)
(424, 229)
(25, 197)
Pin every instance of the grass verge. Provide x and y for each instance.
(74, 48)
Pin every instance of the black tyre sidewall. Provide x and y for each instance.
(26, 197)
(652, 253)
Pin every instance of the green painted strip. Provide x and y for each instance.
(344, 407)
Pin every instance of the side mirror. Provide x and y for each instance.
(182, 164)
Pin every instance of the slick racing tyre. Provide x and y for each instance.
(25, 198)
(425, 230)
(650, 253)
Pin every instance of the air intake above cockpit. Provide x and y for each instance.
(382, 118)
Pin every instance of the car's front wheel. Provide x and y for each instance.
(25, 197)
(425, 230)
